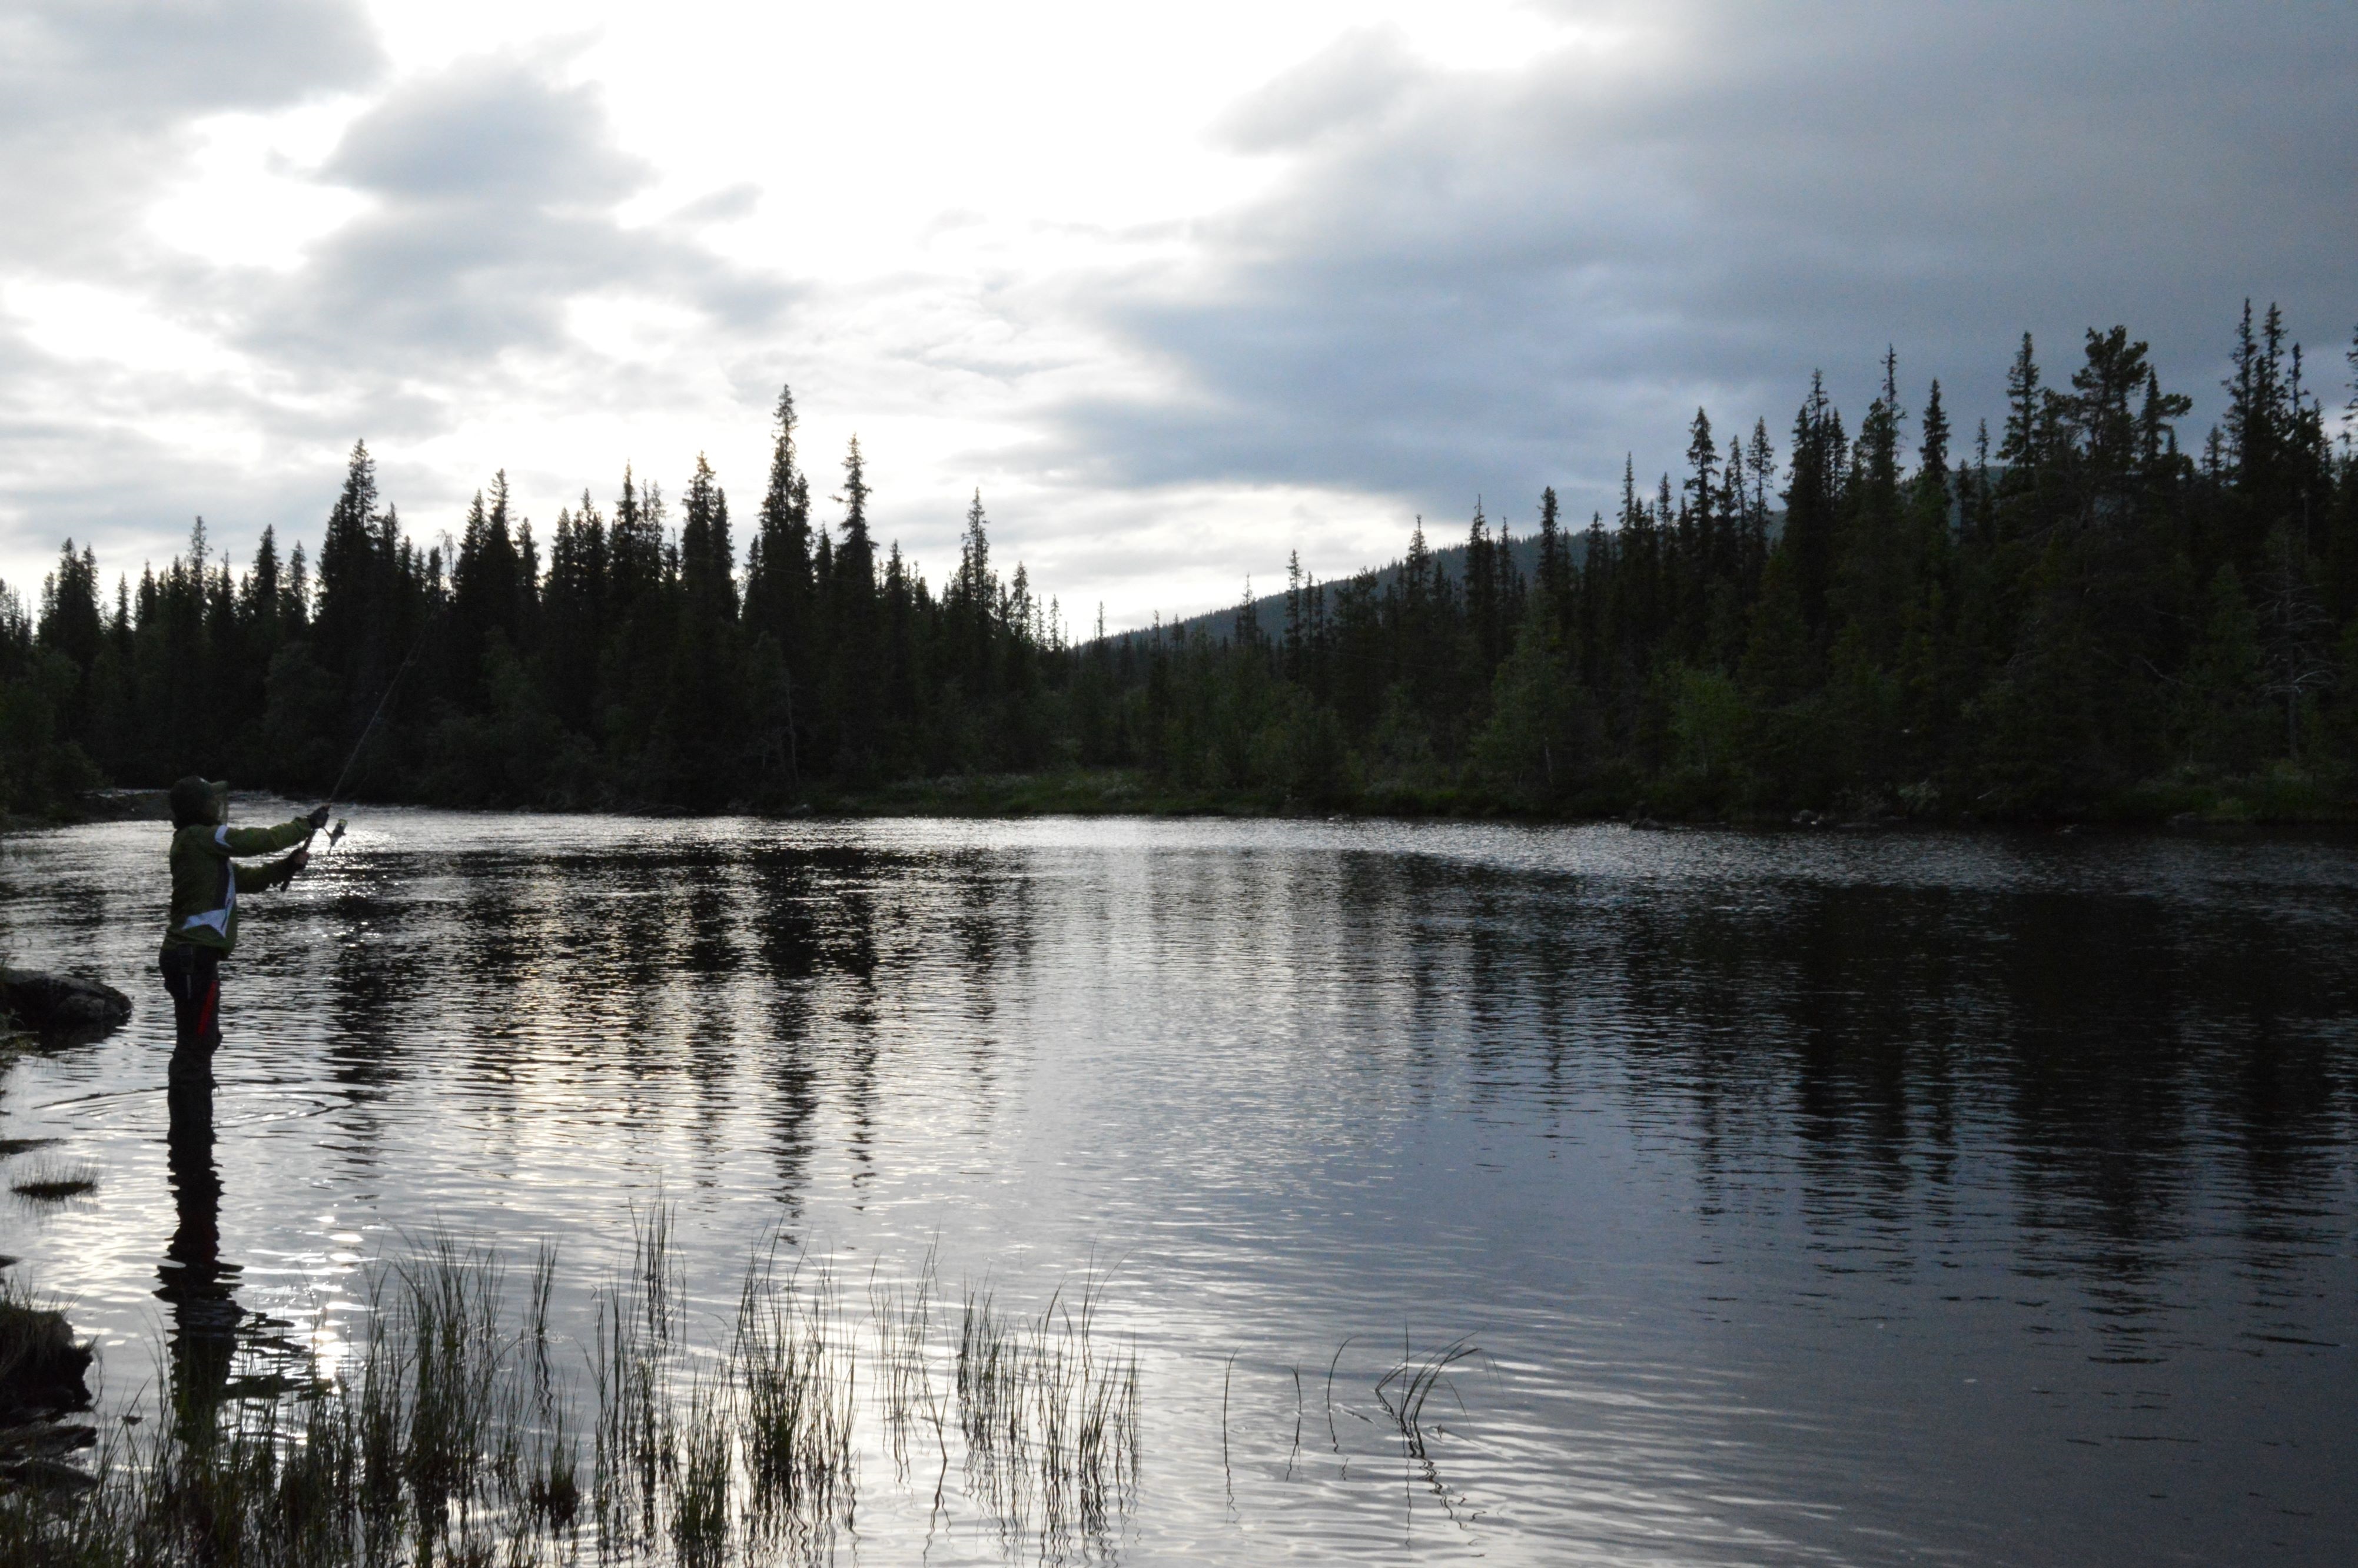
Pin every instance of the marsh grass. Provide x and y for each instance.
(796, 1385)
(1051, 1418)
(902, 1318)
(454, 1431)
(54, 1181)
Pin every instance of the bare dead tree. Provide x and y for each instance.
(2296, 627)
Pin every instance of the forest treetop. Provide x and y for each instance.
(2074, 613)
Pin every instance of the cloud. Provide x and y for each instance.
(494, 193)
(93, 96)
(1482, 279)
(488, 230)
(723, 206)
(1412, 266)
(97, 101)
(489, 132)
(82, 460)
(1347, 85)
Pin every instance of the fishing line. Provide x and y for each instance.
(369, 728)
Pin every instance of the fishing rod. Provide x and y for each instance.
(370, 727)
(336, 834)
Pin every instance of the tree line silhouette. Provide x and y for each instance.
(2081, 616)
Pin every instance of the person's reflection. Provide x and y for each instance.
(197, 1284)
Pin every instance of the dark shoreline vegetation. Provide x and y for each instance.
(2074, 619)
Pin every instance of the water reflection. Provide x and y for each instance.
(1865, 1182)
(198, 1287)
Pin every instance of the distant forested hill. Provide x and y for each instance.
(1522, 552)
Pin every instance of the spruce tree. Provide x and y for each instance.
(778, 585)
(1932, 441)
(854, 653)
(701, 732)
(1808, 539)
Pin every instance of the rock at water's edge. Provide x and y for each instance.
(127, 805)
(43, 1369)
(44, 1375)
(61, 1006)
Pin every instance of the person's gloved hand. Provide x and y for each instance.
(298, 861)
(318, 818)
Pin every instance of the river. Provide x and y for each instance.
(1869, 1198)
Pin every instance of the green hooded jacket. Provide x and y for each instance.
(206, 881)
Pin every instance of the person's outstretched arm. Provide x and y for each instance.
(262, 840)
(274, 874)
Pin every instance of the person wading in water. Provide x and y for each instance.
(201, 929)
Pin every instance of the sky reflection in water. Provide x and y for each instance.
(1849, 1198)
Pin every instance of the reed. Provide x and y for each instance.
(1050, 1416)
(54, 1181)
(797, 1384)
(1404, 1390)
(701, 1472)
(902, 1318)
(452, 1433)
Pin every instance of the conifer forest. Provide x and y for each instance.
(2086, 610)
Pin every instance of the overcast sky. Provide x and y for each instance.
(1179, 287)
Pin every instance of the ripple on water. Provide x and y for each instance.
(1859, 1197)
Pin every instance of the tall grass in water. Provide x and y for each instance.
(1050, 1418)
(797, 1381)
(437, 1444)
(53, 1182)
(1404, 1390)
(906, 1393)
(452, 1435)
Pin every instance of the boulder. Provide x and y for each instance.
(43, 1375)
(44, 1370)
(61, 1007)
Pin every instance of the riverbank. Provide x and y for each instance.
(2281, 796)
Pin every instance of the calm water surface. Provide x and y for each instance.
(1852, 1198)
